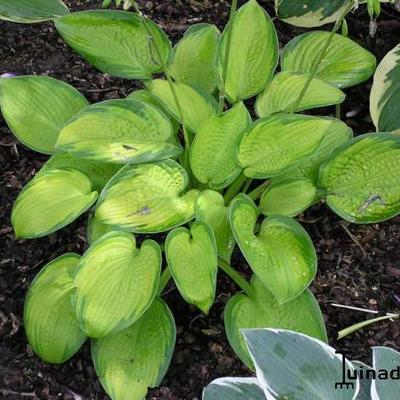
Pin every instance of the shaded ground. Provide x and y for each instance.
(358, 264)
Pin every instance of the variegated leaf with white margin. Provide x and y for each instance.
(233, 389)
(295, 366)
(115, 283)
(147, 198)
(385, 93)
(51, 201)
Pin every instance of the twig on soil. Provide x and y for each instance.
(109, 89)
(355, 308)
(7, 392)
(354, 239)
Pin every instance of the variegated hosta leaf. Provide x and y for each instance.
(195, 105)
(120, 131)
(193, 261)
(361, 179)
(98, 172)
(290, 365)
(249, 51)
(210, 208)
(95, 229)
(282, 93)
(51, 201)
(234, 389)
(213, 152)
(345, 64)
(194, 57)
(27, 11)
(49, 318)
(365, 383)
(288, 196)
(385, 93)
(147, 198)
(129, 362)
(281, 254)
(116, 42)
(37, 107)
(272, 145)
(310, 13)
(115, 283)
(262, 311)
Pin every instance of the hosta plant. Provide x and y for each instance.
(181, 171)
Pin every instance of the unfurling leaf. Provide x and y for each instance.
(262, 311)
(49, 318)
(361, 179)
(131, 361)
(194, 105)
(116, 42)
(194, 57)
(120, 131)
(345, 64)
(193, 261)
(282, 93)
(210, 208)
(234, 389)
(147, 198)
(115, 283)
(281, 254)
(51, 201)
(213, 152)
(37, 107)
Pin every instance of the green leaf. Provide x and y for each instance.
(98, 172)
(147, 198)
(96, 230)
(49, 318)
(262, 311)
(361, 178)
(272, 145)
(213, 152)
(138, 357)
(288, 196)
(210, 208)
(233, 389)
(282, 254)
(51, 201)
(345, 64)
(282, 93)
(385, 93)
(115, 283)
(116, 42)
(28, 11)
(193, 261)
(250, 45)
(120, 131)
(37, 107)
(194, 57)
(310, 13)
(196, 106)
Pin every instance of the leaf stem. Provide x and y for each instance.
(234, 188)
(236, 277)
(258, 191)
(164, 279)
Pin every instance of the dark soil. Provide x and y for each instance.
(357, 264)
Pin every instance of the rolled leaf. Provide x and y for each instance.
(272, 145)
(28, 11)
(361, 178)
(193, 261)
(281, 254)
(49, 318)
(385, 93)
(213, 152)
(283, 92)
(115, 283)
(195, 106)
(248, 52)
(95, 229)
(116, 42)
(37, 107)
(129, 362)
(194, 57)
(147, 198)
(51, 201)
(345, 64)
(234, 389)
(262, 311)
(210, 208)
(120, 131)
